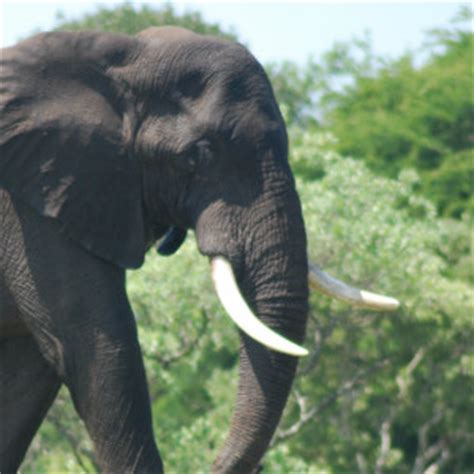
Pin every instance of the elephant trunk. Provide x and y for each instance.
(274, 283)
(264, 385)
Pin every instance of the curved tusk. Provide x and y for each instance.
(321, 281)
(229, 294)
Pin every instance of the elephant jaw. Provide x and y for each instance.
(233, 302)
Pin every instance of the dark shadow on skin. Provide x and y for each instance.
(172, 241)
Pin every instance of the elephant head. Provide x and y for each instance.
(124, 140)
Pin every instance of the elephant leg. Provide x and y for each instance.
(76, 307)
(105, 376)
(90, 338)
(28, 386)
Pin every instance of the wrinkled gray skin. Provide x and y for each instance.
(108, 142)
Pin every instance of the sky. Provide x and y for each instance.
(273, 30)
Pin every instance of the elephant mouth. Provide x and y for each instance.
(237, 309)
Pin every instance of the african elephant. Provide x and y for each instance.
(110, 143)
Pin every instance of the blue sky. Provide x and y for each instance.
(272, 30)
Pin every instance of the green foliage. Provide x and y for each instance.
(305, 93)
(402, 378)
(420, 118)
(294, 88)
(392, 113)
(130, 20)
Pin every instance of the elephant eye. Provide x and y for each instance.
(164, 106)
(205, 152)
(202, 155)
(191, 85)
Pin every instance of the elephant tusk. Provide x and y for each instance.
(321, 281)
(233, 302)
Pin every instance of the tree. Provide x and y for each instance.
(130, 20)
(394, 113)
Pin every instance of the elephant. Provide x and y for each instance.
(111, 144)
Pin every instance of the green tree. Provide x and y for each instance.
(381, 392)
(394, 113)
(420, 117)
(130, 19)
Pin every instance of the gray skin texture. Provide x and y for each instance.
(108, 142)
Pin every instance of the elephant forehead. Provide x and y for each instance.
(171, 64)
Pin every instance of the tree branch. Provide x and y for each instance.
(403, 380)
(444, 457)
(187, 347)
(320, 336)
(385, 442)
(307, 415)
(361, 463)
(426, 453)
(404, 377)
(73, 442)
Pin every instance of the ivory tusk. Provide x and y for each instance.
(233, 302)
(321, 281)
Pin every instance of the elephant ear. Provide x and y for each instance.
(64, 133)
